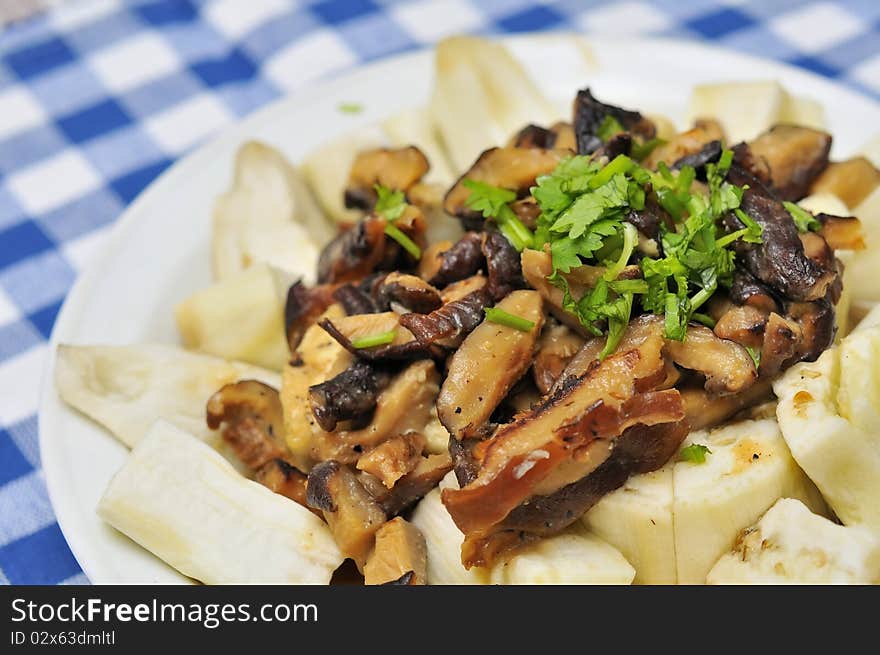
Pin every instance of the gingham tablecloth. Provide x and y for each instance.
(97, 97)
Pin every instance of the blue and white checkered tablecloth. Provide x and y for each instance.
(97, 97)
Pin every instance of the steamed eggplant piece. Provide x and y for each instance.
(589, 114)
(779, 261)
(567, 436)
(450, 324)
(400, 556)
(694, 147)
(486, 366)
(409, 292)
(303, 308)
(351, 395)
(351, 513)
(556, 347)
(405, 405)
(796, 156)
(395, 168)
(510, 168)
(252, 421)
(394, 458)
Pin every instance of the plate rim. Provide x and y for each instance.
(51, 463)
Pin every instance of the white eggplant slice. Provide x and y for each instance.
(267, 216)
(744, 109)
(127, 388)
(184, 503)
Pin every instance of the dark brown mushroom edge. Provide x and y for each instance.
(611, 293)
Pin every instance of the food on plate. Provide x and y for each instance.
(791, 545)
(184, 503)
(533, 346)
(829, 412)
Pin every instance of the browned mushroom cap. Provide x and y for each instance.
(351, 395)
(728, 367)
(557, 346)
(781, 339)
(842, 232)
(409, 489)
(705, 410)
(432, 259)
(795, 154)
(397, 169)
(394, 458)
(688, 147)
(283, 478)
(509, 168)
(533, 136)
(348, 329)
(486, 366)
(400, 556)
(743, 324)
(527, 211)
(252, 420)
(354, 299)
(817, 324)
(303, 307)
(351, 513)
(463, 259)
(851, 180)
(747, 290)
(409, 292)
(451, 323)
(354, 253)
(589, 114)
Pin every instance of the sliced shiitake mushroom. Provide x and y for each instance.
(399, 557)
(796, 156)
(395, 168)
(556, 347)
(394, 458)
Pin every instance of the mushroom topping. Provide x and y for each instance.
(283, 478)
(557, 346)
(703, 409)
(537, 266)
(409, 489)
(351, 395)
(533, 136)
(400, 555)
(851, 180)
(816, 321)
(781, 339)
(392, 459)
(303, 307)
(252, 421)
(409, 292)
(842, 232)
(509, 168)
(590, 114)
(779, 261)
(354, 333)
(503, 266)
(747, 290)
(397, 169)
(355, 300)
(743, 324)
(486, 366)
(694, 147)
(450, 324)
(796, 155)
(350, 511)
(461, 261)
(432, 259)
(728, 367)
(353, 253)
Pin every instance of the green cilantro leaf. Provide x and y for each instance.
(390, 204)
(803, 219)
(695, 453)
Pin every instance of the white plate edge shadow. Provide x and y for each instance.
(52, 413)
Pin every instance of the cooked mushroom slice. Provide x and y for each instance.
(619, 144)
(354, 253)
(351, 395)
(796, 155)
(461, 261)
(537, 266)
(409, 489)
(851, 180)
(816, 320)
(503, 266)
(533, 136)
(406, 405)
(450, 324)
(252, 420)
(779, 261)
(409, 292)
(354, 300)
(462, 288)
(743, 324)
(747, 290)
(283, 478)
(432, 259)
(398, 169)
(842, 232)
(303, 307)
(694, 147)
(565, 138)
(590, 114)
(400, 556)
(392, 459)
(705, 410)
(527, 211)
(349, 329)
(486, 366)
(728, 367)
(509, 168)
(350, 511)
(649, 219)
(781, 339)
(557, 346)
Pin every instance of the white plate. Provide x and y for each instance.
(157, 254)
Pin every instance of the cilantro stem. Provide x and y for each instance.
(630, 239)
(730, 238)
(620, 164)
(408, 244)
(371, 340)
(495, 315)
(705, 319)
(511, 227)
(701, 296)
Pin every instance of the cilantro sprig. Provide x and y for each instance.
(391, 205)
(583, 221)
(494, 202)
(803, 219)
